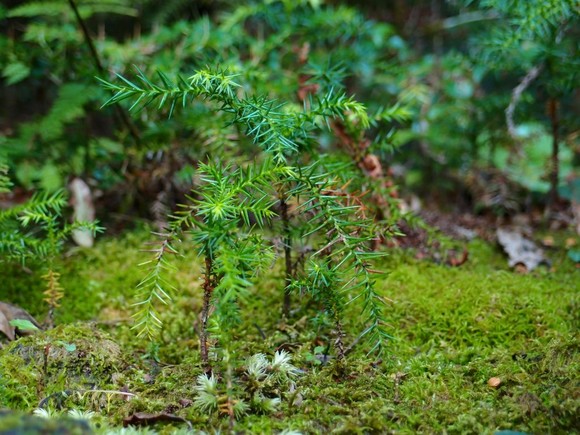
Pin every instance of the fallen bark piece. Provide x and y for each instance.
(84, 211)
(520, 250)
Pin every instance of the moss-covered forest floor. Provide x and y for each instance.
(477, 348)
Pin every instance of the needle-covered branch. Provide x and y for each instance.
(270, 124)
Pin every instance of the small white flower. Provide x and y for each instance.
(256, 366)
(206, 384)
(281, 363)
(44, 413)
(207, 393)
(78, 414)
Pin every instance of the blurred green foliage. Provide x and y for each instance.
(445, 71)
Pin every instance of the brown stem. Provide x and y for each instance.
(208, 287)
(555, 167)
(44, 380)
(334, 312)
(97, 60)
(287, 256)
(339, 343)
(50, 318)
(230, 404)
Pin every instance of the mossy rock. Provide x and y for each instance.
(67, 360)
(14, 423)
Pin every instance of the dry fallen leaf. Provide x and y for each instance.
(5, 327)
(459, 260)
(494, 382)
(10, 312)
(521, 268)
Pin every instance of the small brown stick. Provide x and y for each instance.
(230, 404)
(350, 348)
(287, 256)
(339, 343)
(208, 288)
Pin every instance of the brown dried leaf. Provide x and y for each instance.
(521, 268)
(5, 327)
(10, 312)
(460, 260)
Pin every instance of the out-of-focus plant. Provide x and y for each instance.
(35, 232)
(48, 68)
(496, 71)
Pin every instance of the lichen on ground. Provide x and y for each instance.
(455, 329)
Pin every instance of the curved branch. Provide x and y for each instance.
(517, 95)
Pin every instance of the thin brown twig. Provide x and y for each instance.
(97, 60)
(208, 287)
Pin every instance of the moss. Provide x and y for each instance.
(68, 360)
(23, 286)
(17, 384)
(18, 423)
(454, 328)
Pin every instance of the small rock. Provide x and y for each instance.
(548, 241)
(494, 382)
(16, 423)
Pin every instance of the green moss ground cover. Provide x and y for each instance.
(454, 329)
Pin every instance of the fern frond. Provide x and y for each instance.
(66, 108)
(16, 246)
